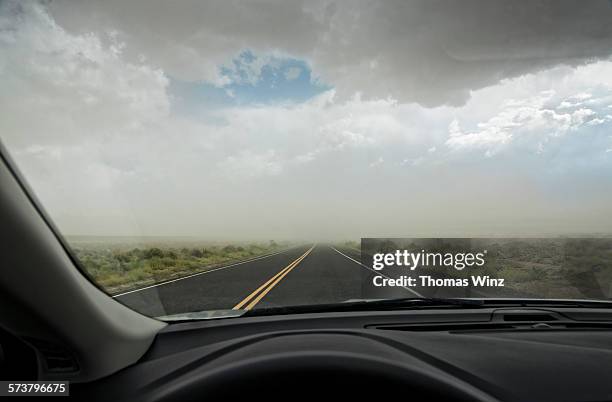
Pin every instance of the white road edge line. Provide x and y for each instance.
(373, 270)
(202, 273)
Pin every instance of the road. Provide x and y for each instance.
(309, 274)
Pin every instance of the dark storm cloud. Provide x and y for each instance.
(428, 51)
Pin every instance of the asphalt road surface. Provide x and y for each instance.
(309, 274)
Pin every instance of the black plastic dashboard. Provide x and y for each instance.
(508, 354)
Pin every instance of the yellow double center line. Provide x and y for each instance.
(251, 300)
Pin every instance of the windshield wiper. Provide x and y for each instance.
(202, 315)
(369, 305)
(409, 303)
(427, 302)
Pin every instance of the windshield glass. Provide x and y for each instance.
(229, 156)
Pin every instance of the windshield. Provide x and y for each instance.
(227, 156)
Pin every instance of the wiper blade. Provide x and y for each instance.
(369, 305)
(390, 304)
(202, 315)
(529, 302)
(427, 302)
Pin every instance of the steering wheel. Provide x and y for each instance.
(319, 375)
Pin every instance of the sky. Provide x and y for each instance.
(276, 119)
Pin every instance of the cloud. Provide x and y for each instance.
(246, 68)
(78, 80)
(528, 123)
(95, 129)
(249, 165)
(292, 73)
(430, 52)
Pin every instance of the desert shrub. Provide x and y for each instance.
(153, 252)
(197, 253)
(537, 274)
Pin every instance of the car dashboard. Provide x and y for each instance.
(507, 354)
